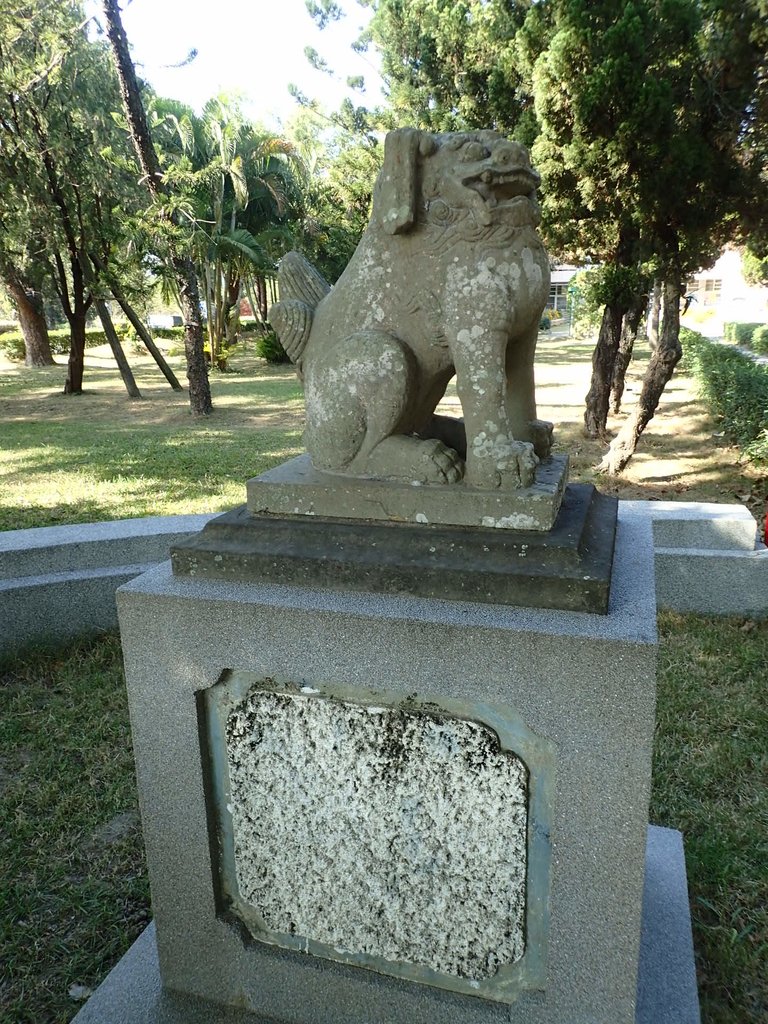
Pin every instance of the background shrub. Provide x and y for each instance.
(268, 347)
(12, 342)
(760, 340)
(584, 303)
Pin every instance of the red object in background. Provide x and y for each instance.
(245, 308)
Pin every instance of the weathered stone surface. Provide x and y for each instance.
(132, 993)
(583, 682)
(449, 277)
(568, 567)
(391, 832)
(297, 488)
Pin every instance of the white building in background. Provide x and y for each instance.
(718, 295)
(721, 294)
(558, 289)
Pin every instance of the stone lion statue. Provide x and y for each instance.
(450, 277)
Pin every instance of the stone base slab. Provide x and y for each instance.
(666, 991)
(569, 567)
(297, 488)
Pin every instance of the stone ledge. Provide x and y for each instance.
(60, 606)
(712, 582)
(51, 549)
(713, 567)
(697, 524)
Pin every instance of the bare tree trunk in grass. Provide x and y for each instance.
(626, 345)
(138, 326)
(261, 295)
(149, 342)
(117, 349)
(29, 307)
(661, 366)
(197, 371)
(73, 385)
(189, 296)
(603, 358)
(254, 304)
(109, 328)
(75, 310)
(655, 312)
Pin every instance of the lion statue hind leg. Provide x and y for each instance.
(359, 398)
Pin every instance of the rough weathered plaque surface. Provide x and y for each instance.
(393, 837)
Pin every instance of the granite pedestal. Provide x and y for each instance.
(571, 693)
(666, 991)
(567, 567)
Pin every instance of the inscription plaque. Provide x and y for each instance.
(394, 836)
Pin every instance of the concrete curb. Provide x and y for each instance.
(58, 582)
(708, 557)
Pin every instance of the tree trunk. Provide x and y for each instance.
(626, 345)
(660, 368)
(29, 307)
(189, 302)
(254, 304)
(233, 310)
(89, 278)
(75, 310)
(654, 313)
(603, 358)
(138, 326)
(189, 294)
(210, 310)
(73, 385)
(261, 295)
(117, 349)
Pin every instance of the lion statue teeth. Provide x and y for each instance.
(450, 278)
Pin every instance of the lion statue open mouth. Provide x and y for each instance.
(450, 277)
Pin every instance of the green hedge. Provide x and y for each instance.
(248, 327)
(740, 333)
(734, 387)
(12, 342)
(760, 340)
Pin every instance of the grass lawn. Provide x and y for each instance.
(73, 888)
(72, 875)
(101, 456)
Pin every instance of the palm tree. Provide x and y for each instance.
(244, 188)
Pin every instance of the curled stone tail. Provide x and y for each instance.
(298, 279)
(301, 289)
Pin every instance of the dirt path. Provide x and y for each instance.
(682, 455)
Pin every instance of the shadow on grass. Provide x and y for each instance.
(72, 871)
(30, 516)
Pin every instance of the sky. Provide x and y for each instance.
(252, 47)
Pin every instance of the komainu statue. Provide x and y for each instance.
(450, 277)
